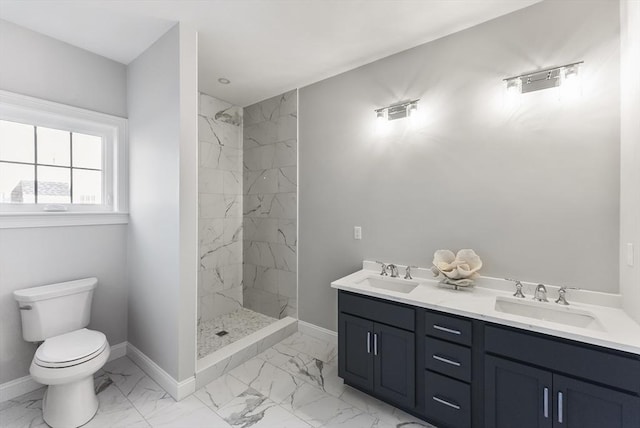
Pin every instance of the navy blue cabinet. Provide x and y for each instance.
(377, 358)
(541, 391)
(456, 372)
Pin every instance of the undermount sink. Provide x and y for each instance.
(551, 312)
(391, 284)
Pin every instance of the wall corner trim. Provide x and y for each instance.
(178, 390)
(24, 385)
(317, 332)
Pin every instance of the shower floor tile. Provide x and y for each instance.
(237, 325)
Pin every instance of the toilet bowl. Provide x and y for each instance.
(67, 363)
(70, 354)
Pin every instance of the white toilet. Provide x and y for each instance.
(70, 354)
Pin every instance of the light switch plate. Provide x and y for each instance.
(357, 232)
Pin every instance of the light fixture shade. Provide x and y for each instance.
(398, 111)
(542, 79)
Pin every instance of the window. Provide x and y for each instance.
(59, 159)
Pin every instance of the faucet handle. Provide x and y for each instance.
(394, 270)
(384, 269)
(562, 300)
(518, 285)
(407, 274)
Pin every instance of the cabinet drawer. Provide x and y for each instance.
(392, 314)
(447, 358)
(448, 328)
(596, 364)
(447, 401)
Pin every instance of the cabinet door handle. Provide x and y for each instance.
(375, 343)
(446, 360)
(545, 404)
(446, 403)
(446, 330)
(560, 407)
(368, 342)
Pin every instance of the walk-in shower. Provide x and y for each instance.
(247, 281)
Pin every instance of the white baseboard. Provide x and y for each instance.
(318, 332)
(118, 351)
(178, 390)
(17, 387)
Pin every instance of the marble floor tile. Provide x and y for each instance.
(267, 379)
(318, 408)
(124, 374)
(221, 391)
(316, 348)
(148, 397)
(24, 411)
(188, 413)
(380, 410)
(252, 409)
(303, 366)
(114, 409)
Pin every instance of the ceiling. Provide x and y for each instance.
(265, 47)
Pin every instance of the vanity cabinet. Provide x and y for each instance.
(376, 348)
(543, 389)
(448, 369)
(458, 372)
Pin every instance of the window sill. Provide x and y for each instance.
(49, 219)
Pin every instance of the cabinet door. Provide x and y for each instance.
(517, 395)
(584, 405)
(355, 351)
(394, 364)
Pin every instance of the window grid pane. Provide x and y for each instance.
(61, 172)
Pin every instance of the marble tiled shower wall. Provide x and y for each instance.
(220, 208)
(270, 206)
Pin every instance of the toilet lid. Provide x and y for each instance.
(70, 348)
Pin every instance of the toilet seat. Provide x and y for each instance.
(70, 349)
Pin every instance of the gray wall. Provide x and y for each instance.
(630, 156)
(39, 66)
(161, 303)
(534, 190)
(270, 206)
(40, 256)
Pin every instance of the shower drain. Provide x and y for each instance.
(222, 333)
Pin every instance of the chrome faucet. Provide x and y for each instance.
(562, 300)
(518, 284)
(383, 272)
(394, 270)
(541, 293)
(407, 273)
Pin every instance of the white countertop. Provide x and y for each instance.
(620, 331)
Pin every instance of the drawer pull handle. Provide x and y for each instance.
(446, 360)
(446, 403)
(546, 402)
(446, 330)
(560, 407)
(368, 342)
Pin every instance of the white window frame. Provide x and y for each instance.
(112, 129)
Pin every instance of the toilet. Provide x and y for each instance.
(70, 355)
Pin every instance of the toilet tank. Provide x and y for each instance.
(50, 310)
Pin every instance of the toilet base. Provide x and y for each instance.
(71, 404)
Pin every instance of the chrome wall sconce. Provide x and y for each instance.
(543, 79)
(397, 111)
